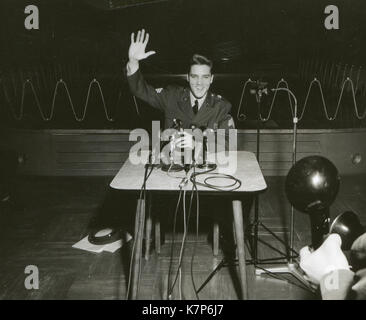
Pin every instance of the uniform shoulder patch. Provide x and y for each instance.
(219, 97)
(159, 90)
(231, 123)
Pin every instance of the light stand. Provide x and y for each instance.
(290, 268)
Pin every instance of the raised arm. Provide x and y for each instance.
(138, 86)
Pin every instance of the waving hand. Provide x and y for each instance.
(137, 48)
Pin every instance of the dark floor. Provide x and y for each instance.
(58, 212)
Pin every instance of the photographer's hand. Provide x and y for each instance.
(358, 253)
(327, 258)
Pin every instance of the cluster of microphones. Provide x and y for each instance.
(173, 165)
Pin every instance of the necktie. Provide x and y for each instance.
(195, 107)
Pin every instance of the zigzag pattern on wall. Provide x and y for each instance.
(329, 75)
(342, 86)
(28, 83)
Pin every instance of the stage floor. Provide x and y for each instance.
(52, 214)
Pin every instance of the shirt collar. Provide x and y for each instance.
(200, 100)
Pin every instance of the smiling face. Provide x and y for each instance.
(200, 79)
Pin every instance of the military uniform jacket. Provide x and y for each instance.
(175, 102)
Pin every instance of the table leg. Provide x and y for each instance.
(139, 234)
(240, 245)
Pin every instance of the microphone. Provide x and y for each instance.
(259, 84)
(177, 124)
(206, 164)
(259, 87)
(174, 167)
(193, 127)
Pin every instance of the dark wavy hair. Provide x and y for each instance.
(200, 60)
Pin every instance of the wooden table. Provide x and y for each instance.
(242, 165)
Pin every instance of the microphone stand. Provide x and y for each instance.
(291, 267)
(259, 90)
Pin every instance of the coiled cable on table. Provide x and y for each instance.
(236, 184)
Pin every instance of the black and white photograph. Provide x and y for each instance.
(182, 153)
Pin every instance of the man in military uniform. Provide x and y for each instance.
(194, 106)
